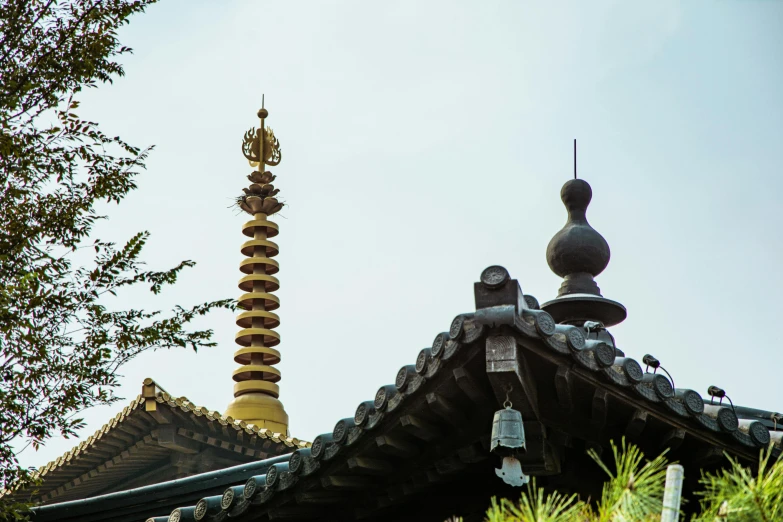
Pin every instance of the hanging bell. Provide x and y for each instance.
(508, 440)
(508, 433)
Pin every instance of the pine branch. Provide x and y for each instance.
(736, 494)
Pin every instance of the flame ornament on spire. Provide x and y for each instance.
(256, 391)
(251, 147)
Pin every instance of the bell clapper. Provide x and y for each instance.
(511, 472)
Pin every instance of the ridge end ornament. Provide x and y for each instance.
(251, 146)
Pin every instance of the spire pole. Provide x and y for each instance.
(574, 158)
(256, 391)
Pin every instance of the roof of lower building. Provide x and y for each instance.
(142, 443)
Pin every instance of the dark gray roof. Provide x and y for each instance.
(429, 431)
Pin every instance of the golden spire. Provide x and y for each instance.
(256, 391)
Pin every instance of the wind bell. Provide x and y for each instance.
(508, 440)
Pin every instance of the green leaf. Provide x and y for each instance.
(65, 345)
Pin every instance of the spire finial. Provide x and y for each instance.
(578, 253)
(256, 391)
(574, 158)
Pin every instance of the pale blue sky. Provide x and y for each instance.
(425, 140)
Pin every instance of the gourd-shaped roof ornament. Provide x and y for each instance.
(578, 253)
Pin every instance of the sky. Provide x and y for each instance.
(425, 141)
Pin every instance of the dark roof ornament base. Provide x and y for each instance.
(577, 308)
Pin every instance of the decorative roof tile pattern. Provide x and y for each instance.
(146, 432)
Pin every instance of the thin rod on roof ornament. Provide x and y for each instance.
(574, 158)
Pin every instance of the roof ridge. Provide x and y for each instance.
(189, 406)
(76, 450)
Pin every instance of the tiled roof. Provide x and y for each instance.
(343, 458)
(131, 442)
(433, 422)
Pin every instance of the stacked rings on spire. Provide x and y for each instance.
(257, 336)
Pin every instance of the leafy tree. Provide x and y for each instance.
(60, 343)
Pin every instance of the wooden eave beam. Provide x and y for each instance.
(624, 396)
(636, 424)
(346, 482)
(396, 446)
(600, 409)
(161, 413)
(673, 439)
(564, 388)
(168, 437)
(228, 445)
(446, 410)
(510, 375)
(470, 387)
(295, 513)
(419, 428)
(370, 466)
(103, 468)
(414, 431)
(319, 496)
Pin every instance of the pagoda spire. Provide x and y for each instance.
(256, 391)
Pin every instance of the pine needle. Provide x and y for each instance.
(536, 506)
(634, 493)
(736, 494)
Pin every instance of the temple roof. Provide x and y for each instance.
(427, 435)
(423, 447)
(143, 443)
